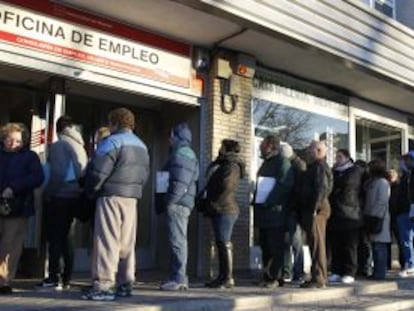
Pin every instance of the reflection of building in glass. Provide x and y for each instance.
(299, 127)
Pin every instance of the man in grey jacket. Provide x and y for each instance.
(67, 159)
(116, 177)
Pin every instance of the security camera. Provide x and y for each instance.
(201, 59)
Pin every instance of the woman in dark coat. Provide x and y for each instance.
(20, 173)
(224, 175)
(346, 218)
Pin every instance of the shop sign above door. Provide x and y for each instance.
(78, 38)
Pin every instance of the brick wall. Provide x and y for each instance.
(219, 125)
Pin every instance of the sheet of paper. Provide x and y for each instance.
(163, 179)
(264, 186)
(411, 213)
(70, 175)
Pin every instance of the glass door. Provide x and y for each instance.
(375, 140)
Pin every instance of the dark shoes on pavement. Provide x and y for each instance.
(5, 290)
(311, 284)
(225, 277)
(50, 283)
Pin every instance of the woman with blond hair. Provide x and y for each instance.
(20, 173)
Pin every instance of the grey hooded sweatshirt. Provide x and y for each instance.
(67, 159)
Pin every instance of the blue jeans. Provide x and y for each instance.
(406, 231)
(223, 227)
(380, 255)
(177, 221)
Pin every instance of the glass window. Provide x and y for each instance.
(386, 7)
(298, 127)
(375, 140)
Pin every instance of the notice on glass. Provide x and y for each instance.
(264, 186)
(163, 179)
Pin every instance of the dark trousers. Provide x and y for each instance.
(316, 236)
(364, 254)
(396, 236)
(271, 241)
(344, 251)
(58, 223)
(380, 256)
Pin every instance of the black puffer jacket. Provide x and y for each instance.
(344, 199)
(224, 177)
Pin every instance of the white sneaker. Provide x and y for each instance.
(334, 278)
(406, 273)
(347, 279)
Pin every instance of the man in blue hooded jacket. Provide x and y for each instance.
(183, 171)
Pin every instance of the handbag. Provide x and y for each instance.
(12, 207)
(373, 224)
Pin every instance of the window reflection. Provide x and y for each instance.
(298, 127)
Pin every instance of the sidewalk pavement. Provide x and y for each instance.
(363, 295)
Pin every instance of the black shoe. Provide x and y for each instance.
(270, 284)
(124, 290)
(66, 285)
(214, 283)
(5, 290)
(310, 284)
(229, 283)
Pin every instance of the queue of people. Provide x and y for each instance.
(345, 214)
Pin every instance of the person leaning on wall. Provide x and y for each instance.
(20, 173)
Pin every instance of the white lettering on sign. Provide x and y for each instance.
(82, 44)
(287, 96)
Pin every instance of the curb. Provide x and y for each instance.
(270, 302)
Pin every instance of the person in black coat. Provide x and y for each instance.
(275, 181)
(224, 175)
(20, 173)
(346, 218)
(396, 208)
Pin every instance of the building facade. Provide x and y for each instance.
(341, 71)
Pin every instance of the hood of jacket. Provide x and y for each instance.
(233, 158)
(72, 134)
(181, 133)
